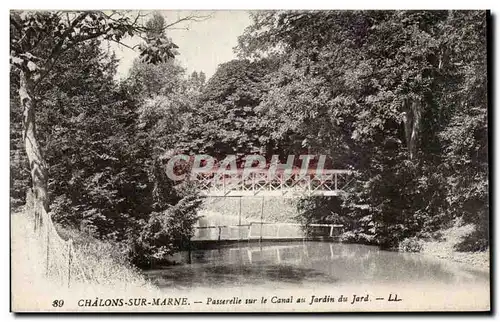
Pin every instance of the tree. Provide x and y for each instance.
(38, 39)
(465, 138)
(226, 119)
(383, 92)
(86, 125)
(196, 81)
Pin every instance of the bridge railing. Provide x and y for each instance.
(265, 231)
(327, 182)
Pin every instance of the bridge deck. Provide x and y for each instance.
(266, 231)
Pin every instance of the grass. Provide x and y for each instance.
(443, 246)
(105, 262)
(106, 269)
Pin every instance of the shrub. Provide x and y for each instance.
(357, 237)
(476, 241)
(410, 245)
(165, 233)
(348, 237)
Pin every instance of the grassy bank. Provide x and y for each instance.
(443, 245)
(445, 248)
(105, 266)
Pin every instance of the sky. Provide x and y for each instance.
(202, 47)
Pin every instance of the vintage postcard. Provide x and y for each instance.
(249, 161)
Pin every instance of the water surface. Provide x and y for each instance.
(309, 264)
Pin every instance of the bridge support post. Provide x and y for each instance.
(189, 252)
(281, 184)
(253, 183)
(239, 223)
(261, 218)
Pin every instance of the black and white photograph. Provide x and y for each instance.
(250, 160)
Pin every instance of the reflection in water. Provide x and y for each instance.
(308, 263)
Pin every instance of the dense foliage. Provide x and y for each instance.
(400, 96)
(105, 144)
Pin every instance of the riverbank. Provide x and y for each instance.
(443, 245)
(34, 289)
(444, 248)
(476, 260)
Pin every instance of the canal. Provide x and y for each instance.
(308, 265)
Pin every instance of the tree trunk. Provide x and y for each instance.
(411, 121)
(38, 166)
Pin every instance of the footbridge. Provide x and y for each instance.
(259, 183)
